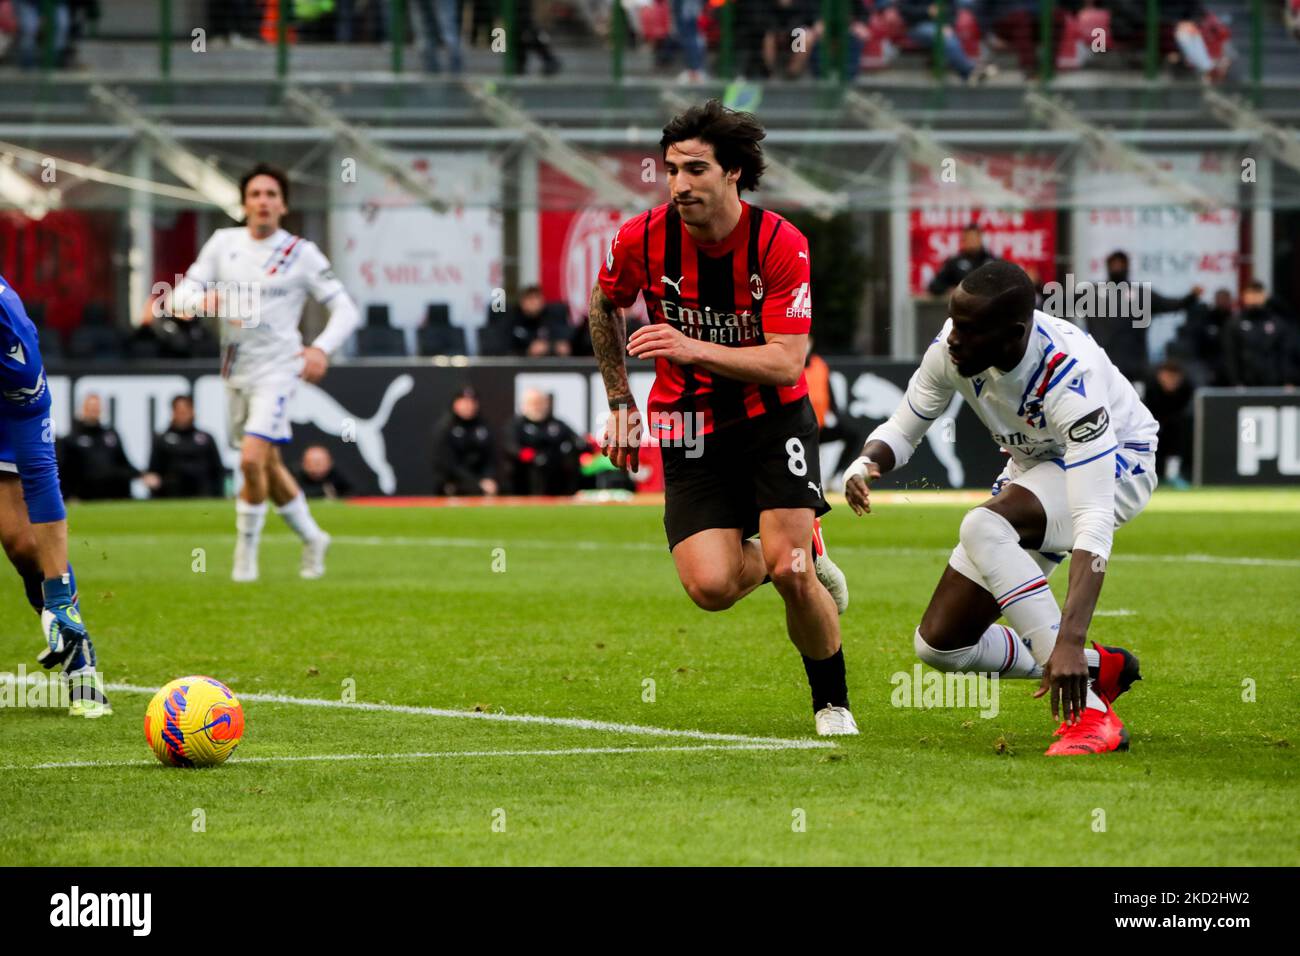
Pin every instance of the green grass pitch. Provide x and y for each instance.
(418, 610)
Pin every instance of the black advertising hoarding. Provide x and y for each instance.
(1247, 436)
(378, 418)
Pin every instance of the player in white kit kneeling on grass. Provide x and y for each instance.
(1082, 449)
(256, 278)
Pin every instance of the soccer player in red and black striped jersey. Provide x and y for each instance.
(727, 287)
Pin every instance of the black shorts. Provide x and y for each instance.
(743, 470)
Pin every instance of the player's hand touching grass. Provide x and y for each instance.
(1065, 681)
(314, 364)
(857, 484)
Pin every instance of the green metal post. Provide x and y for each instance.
(1256, 48)
(511, 65)
(936, 49)
(1047, 45)
(1153, 39)
(727, 54)
(165, 37)
(282, 40)
(47, 36)
(618, 36)
(397, 17)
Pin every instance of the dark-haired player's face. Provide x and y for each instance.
(697, 185)
(264, 204)
(977, 341)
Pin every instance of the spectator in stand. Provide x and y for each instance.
(533, 40)
(185, 462)
(1168, 396)
(686, 31)
(540, 327)
(1183, 18)
(1200, 340)
(969, 257)
(1018, 25)
(542, 450)
(319, 477)
(92, 464)
(922, 20)
(370, 15)
(173, 339)
(440, 21)
(1260, 347)
(238, 22)
(781, 55)
(1124, 339)
(31, 24)
(464, 452)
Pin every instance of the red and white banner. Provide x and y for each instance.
(1026, 238)
(1168, 244)
(575, 235)
(391, 249)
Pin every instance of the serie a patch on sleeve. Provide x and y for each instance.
(1090, 426)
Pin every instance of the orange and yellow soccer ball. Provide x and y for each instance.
(194, 722)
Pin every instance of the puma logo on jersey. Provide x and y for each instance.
(803, 255)
(17, 354)
(677, 286)
(812, 486)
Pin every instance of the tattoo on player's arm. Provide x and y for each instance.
(608, 341)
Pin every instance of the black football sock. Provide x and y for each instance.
(32, 585)
(827, 682)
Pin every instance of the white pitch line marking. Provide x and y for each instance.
(1117, 612)
(441, 755)
(576, 723)
(645, 546)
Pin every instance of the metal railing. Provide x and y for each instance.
(278, 19)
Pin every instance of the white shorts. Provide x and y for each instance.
(1134, 483)
(260, 409)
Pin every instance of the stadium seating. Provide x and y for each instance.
(95, 340)
(437, 336)
(377, 338)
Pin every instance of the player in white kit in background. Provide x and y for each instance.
(256, 278)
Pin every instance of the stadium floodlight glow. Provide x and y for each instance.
(781, 180)
(315, 109)
(17, 190)
(923, 149)
(1282, 143)
(577, 165)
(1055, 113)
(205, 179)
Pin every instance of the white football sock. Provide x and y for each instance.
(998, 651)
(249, 519)
(297, 516)
(1013, 578)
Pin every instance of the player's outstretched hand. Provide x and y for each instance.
(622, 441)
(857, 484)
(314, 364)
(662, 341)
(1065, 681)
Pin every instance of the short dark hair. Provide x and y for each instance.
(735, 137)
(265, 169)
(1008, 292)
(183, 398)
(1256, 286)
(1118, 254)
(972, 227)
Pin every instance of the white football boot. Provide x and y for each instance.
(245, 568)
(828, 572)
(835, 722)
(313, 557)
